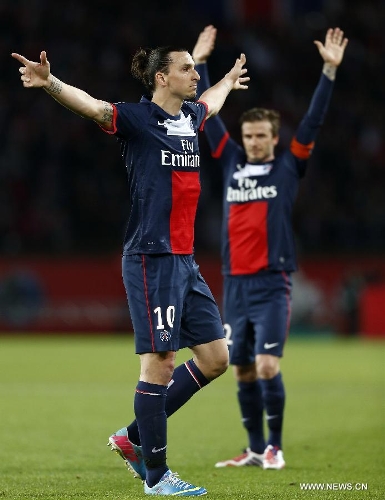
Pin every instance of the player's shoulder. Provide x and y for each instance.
(194, 106)
(286, 162)
(140, 110)
(284, 157)
(143, 103)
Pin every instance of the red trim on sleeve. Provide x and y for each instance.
(204, 119)
(218, 152)
(114, 116)
(301, 151)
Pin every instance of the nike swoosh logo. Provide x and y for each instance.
(270, 346)
(157, 450)
(270, 417)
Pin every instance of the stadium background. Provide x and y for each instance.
(63, 203)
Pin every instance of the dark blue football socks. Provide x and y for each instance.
(149, 407)
(273, 393)
(251, 404)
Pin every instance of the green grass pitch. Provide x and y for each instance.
(62, 396)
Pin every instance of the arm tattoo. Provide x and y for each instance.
(329, 71)
(55, 87)
(108, 112)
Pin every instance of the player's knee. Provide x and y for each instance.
(217, 366)
(223, 363)
(212, 358)
(157, 368)
(220, 366)
(167, 369)
(245, 373)
(267, 366)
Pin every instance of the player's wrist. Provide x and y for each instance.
(198, 60)
(329, 70)
(53, 85)
(48, 82)
(228, 84)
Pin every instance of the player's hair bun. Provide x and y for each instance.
(139, 66)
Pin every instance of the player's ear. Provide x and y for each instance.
(160, 79)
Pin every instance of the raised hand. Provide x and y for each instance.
(333, 50)
(33, 74)
(204, 45)
(236, 74)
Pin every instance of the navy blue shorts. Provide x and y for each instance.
(257, 315)
(171, 305)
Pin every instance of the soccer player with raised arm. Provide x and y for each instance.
(258, 252)
(171, 306)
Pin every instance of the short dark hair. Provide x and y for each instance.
(262, 114)
(147, 62)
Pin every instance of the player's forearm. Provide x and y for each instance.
(314, 117)
(216, 96)
(78, 101)
(215, 129)
(320, 100)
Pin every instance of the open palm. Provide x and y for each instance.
(205, 44)
(333, 50)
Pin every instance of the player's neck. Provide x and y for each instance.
(170, 104)
(265, 159)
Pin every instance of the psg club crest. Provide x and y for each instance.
(164, 336)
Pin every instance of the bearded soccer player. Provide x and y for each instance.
(171, 305)
(258, 246)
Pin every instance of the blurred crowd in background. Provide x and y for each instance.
(62, 181)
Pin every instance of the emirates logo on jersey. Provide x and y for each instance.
(248, 190)
(179, 160)
(185, 159)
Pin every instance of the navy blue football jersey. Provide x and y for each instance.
(258, 198)
(161, 154)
